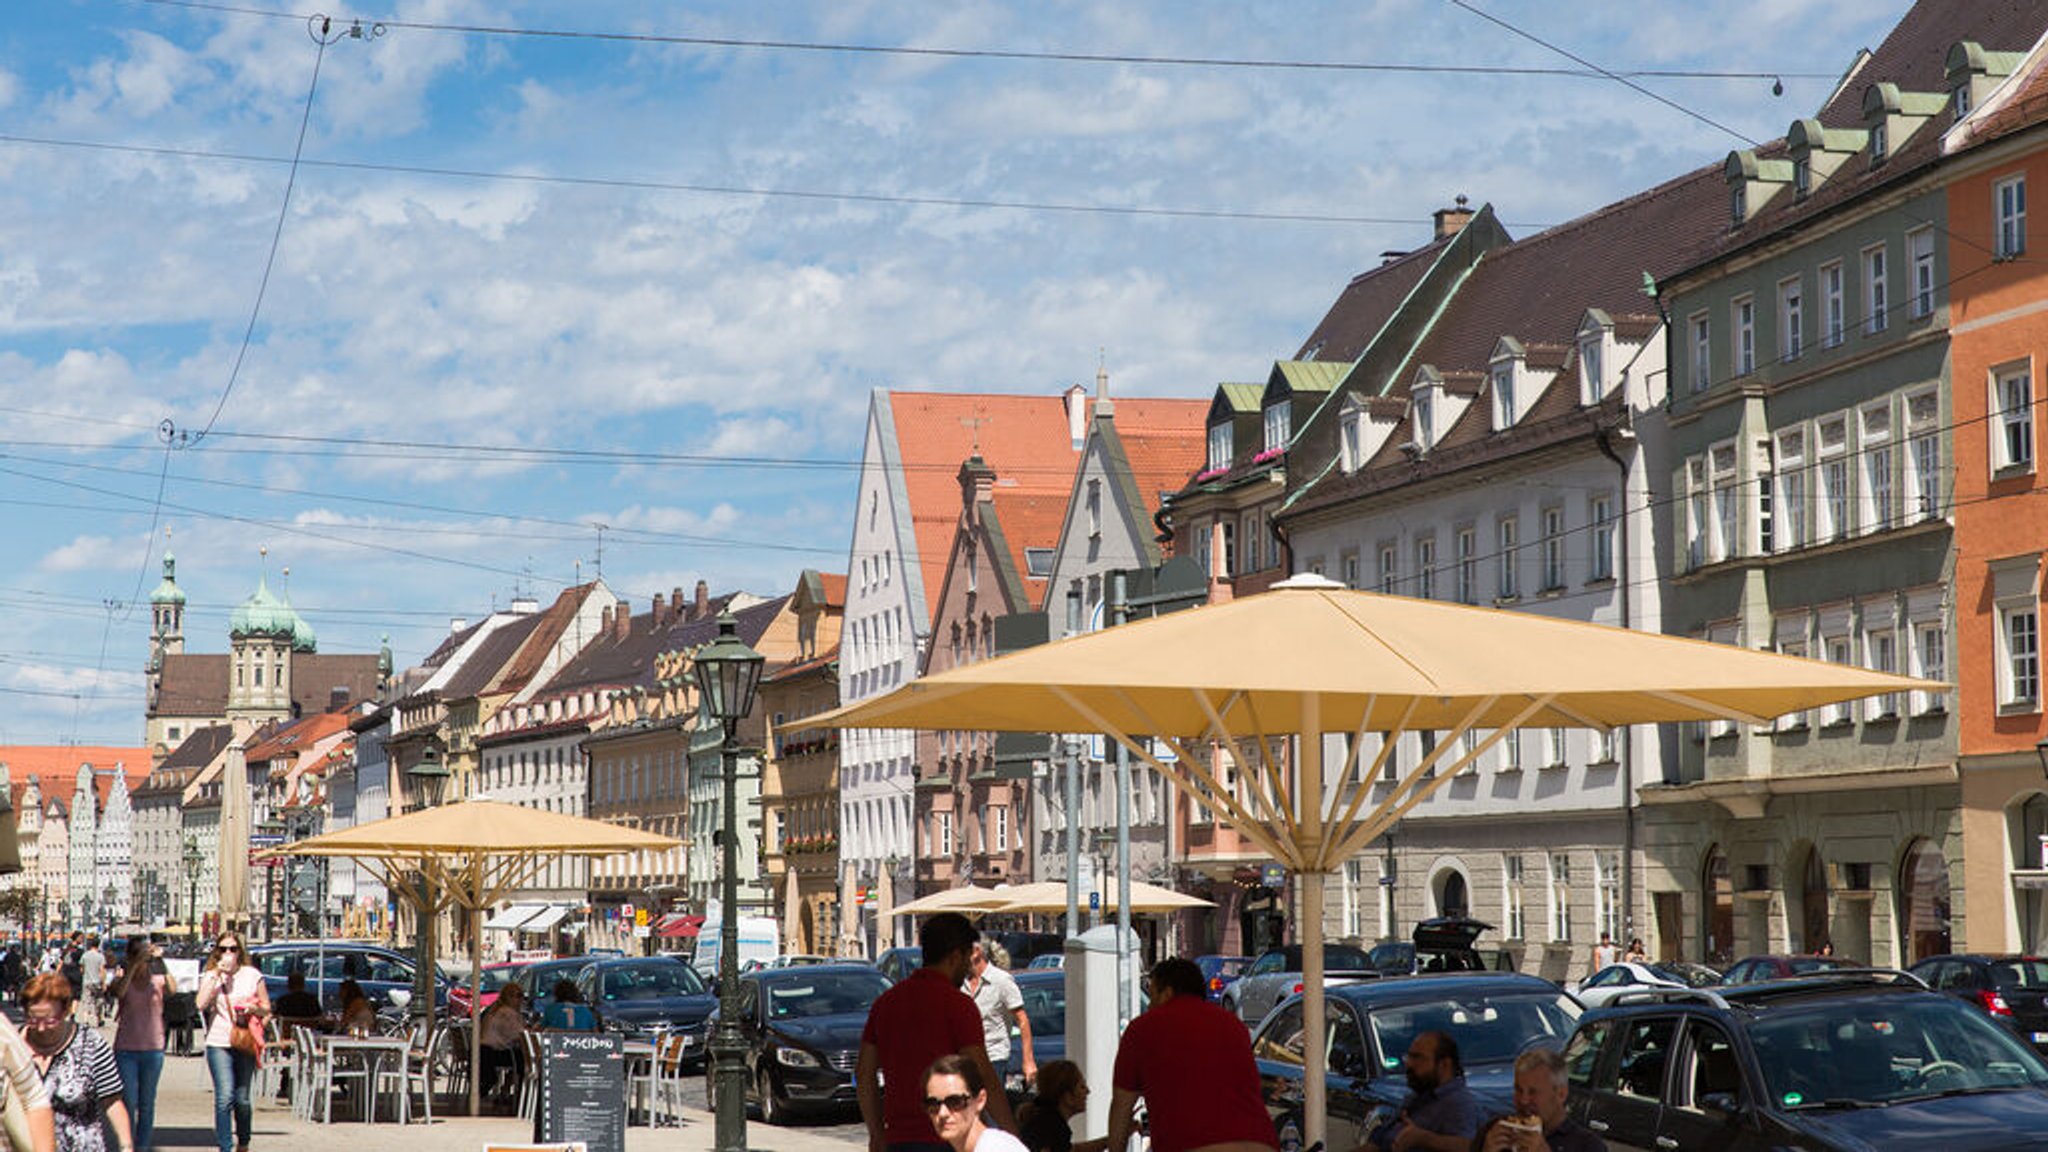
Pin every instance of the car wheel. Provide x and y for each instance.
(771, 1112)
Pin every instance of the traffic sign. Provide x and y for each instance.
(265, 839)
(1095, 901)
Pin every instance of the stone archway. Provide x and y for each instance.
(1812, 879)
(1717, 909)
(1923, 902)
(1450, 892)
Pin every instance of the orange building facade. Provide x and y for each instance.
(1998, 351)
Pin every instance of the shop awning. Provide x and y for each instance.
(545, 919)
(680, 926)
(512, 917)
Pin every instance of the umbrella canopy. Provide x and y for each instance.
(1051, 896)
(967, 898)
(471, 854)
(1268, 679)
(235, 815)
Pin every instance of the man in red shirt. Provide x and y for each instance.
(916, 1022)
(1192, 1062)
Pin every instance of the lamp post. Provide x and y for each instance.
(428, 782)
(727, 673)
(193, 858)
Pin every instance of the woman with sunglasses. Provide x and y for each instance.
(77, 1067)
(231, 992)
(954, 1097)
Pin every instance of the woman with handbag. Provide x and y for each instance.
(138, 996)
(233, 1002)
(77, 1068)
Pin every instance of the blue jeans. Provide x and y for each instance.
(139, 1074)
(232, 1073)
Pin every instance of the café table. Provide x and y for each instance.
(371, 1051)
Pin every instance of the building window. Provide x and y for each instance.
(1834, 479)
(1425, 417)
(1923, 455)
(945, 836)
(1602, 516)
(1509, 530)
(1277, 420)
(1503, 395)
(1743, 313)
(1802, 177)
(1466, 546)
(1738, 203)
(1727, 501)
(1930, 662)
(1350, 563)
(1352, 429)
(1876, 295)
(1592, 368)
(1425, 567)
(2012, 397)
(1789, 510)
(2009, 197)
(1553, 549)
(1831, 296)
(1702, 352)
(1001, 813)
(1560, 898)
(1959, 100)
(2019, 643)
(1219, 446)
(1390, 568)
(1880, 141)
(1920, 251)
(1511, 895)
(1094, 505)
(1877, 468)
(1554, 748)
(1607, 883)
(1511, 751)
(1837, 651)
(1791, 320)
(1696, 496)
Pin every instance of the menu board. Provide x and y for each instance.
(582, 1091)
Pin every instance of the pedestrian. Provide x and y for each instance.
(1440, 1113)
(1635, 953)
(501, 1041)
(1046, 1122)
(138, 995)
(358, 1015)
(909, 1027)
(1540, 1123)
(1000, 1002)
(1605, 953)
(1827, 948)
(954, 1097)
(77, 1068)
(92, 970)
(231, 993)
(1192, 1062)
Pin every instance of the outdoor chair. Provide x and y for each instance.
(414, 1073)
(312, 1067)
(641, 1082)
(668, 1080)
(529, 1083)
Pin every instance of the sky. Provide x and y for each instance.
(561, 289)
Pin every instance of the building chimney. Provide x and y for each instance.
(337, 698)
(456, 624)
(702, 606)
(1451, 221)
(622, 621)
(604, 619)
(1077, 415)
(660, 612)
(524, 606)
(1104, 407)
(676, 607)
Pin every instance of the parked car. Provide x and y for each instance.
(1832, 1061)
(1051, 960)
(1628, 976)
(2012, 990)
(1438, 944)
(1276, 975)
(1753, 969)
(1220, 972)
(802, 1027)
(378, 970)
(639, 997)
(1025, 947)
(896, 963)
(1045, 1005)
(538, 980)
(493, 981)
(1492, 1016)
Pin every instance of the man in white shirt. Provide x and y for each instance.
(92, 965)
(999, 1001)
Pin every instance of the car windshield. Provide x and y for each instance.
(495, 979)
(1045, 1005)
(1690, 975)
(2029, 973)
(1489, 1029)
(1885, 1049)
(650, 981)
(823, 994)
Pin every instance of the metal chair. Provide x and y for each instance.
(529, 1083)
(642, 1083)
(339, 1073)
(414, 1072)
(311, 1064)
(668, 1080)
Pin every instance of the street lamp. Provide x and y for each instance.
(193, 858)
(727, 673)
(428, 782)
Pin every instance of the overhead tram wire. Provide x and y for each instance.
(1007, 54)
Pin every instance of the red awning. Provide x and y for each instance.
(680, 926)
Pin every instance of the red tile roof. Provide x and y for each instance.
(56, 767)
(834, 585)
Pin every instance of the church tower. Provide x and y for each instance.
(261, 635)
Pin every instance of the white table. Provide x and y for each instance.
(371, 1050)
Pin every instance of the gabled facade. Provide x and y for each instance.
(800, 778)
(1808, 500)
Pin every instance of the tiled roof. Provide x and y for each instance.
(1162, 461)
(611, 662)
(450, 644)
(1364, 306)
(1311, 375)
(193, 684)
(554, 622)
(298, 736)
(196, 684)
(490, 658)
(55, 767)
(199, 749)
(834, 586)
(801, 668)
(2023, 105)
(1028, 519)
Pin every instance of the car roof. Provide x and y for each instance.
(1403, 989)
(808, 971)
(1854, 984)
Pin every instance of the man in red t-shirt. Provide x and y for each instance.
(1192, 1062)
(916, 1022)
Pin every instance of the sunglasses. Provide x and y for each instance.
(227, 947)
(954, 1103)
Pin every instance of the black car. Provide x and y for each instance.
(538, 979)
(1440, 944)
(1850, 1059)
(2012, 990)
(645, 995)
(1492, 1016)
(1756, 969)
(1220, 972)
(802, 1027)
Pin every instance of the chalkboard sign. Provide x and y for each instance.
(582, 1091)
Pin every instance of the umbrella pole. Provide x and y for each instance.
(476, 962)
(1315, 1072)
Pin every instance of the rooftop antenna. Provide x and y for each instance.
(601, 526)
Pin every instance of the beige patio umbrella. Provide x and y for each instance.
(966, 898)
(1249, 679)
(233, 847)
(472, 853)
(1050, 896)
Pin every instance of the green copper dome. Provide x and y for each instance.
(303, 639)
(263, 615)
(168, 592)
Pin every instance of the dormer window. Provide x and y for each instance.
(1279, 420)
(1220, 451)
(1959, 100)
(1880, 141)
(1424, 414)
(1802, 177)
(1351, 435)
(1504, 412)
(1591, 364)
(1738, 204)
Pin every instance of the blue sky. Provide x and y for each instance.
(732, 338)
